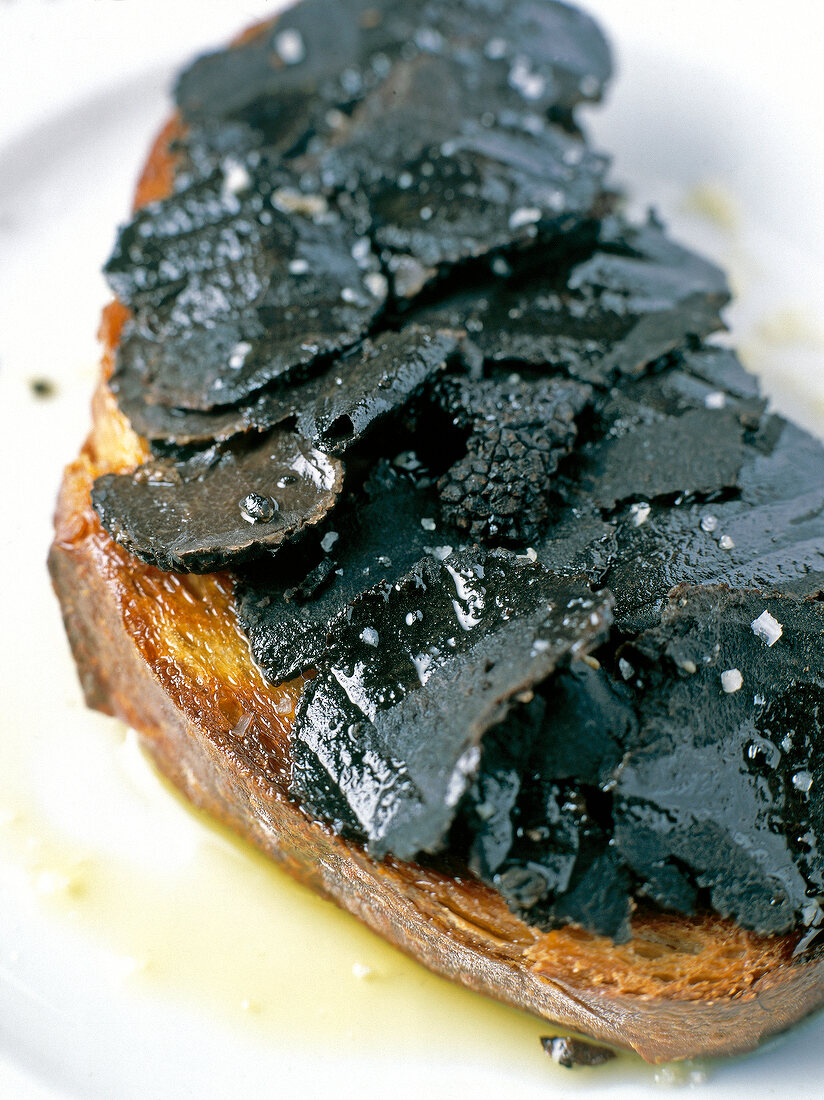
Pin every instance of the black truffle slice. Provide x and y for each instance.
(585, 532)
(551, 54)
(700, 452)
(333, 410)
(770, 536)
(170, 426)
(232, 290)
(518, 431)
(692, 378)
(366, 386)
(327, 54)
(578, 540)
(386, 737)
(283, 81)
(476, 193)
(205, 230)
(726, 782)
(222, 506)
(635, 300)
(722, 371)
(537, 811)
(285, 604)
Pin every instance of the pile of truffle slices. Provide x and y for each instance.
(454, 422)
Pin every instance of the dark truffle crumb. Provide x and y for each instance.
(571, 1052)
(221, 506)
(43, 388)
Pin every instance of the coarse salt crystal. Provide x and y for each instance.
(290, 47)
(767, 628)
(625, 668)
(376, 283)
(238, 354)
(640, 513)
(496, 49)
(802, 781)
(236, 177)
(524, 215)
(731, 680)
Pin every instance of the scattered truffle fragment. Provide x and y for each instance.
(386, 736)
(380, 536)
(42, 388)
(725, 788)
(230, 292)
(518, 432)
(221, 506)
(570, 1052)
(636, 299)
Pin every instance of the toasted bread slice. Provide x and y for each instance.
(163, 652)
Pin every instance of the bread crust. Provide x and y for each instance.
(163, 652)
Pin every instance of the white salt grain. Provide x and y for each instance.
(290, 47)
(731, 680)
(767, 628)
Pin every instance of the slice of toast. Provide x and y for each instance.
(163, 652)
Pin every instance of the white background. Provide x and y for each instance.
(716, 110)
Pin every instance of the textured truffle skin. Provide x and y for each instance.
(679, 988)
(518, 433)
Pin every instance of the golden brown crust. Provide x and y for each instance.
(164, 653)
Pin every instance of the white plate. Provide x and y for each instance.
(141, 952)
